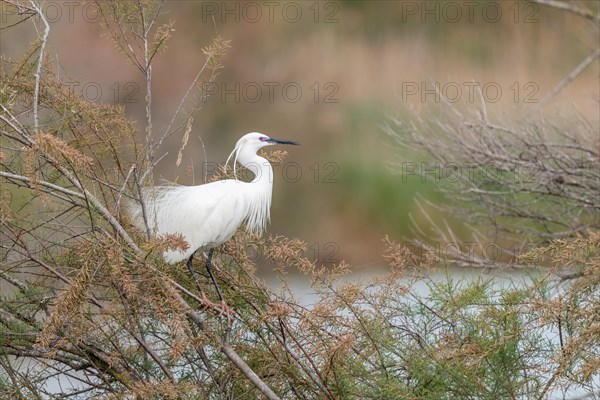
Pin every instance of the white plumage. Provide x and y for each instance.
(208, 215)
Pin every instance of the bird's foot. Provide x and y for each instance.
(222, 308)
(227, 311)
(206, 303)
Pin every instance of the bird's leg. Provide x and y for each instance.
(224, 307)
(189, 265)
(212, 277)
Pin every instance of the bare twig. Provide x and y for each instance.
(570, 7)
(49, 185)
(143, 204)
(569, 78)
(38, 73)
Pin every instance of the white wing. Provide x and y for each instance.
(206, 215)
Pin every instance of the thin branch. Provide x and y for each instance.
(182, 102)
(568, 6)
(572, 75)
(38, 73)
(108, 216)
(16, 282)
(142, 203)
(120, 194)
(246, 370)
(52, 186)
(148, 74)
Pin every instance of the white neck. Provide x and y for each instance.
(260, 189)
(259, 166)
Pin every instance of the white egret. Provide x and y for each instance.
(209, 214)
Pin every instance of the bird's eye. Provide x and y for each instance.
(264, 139)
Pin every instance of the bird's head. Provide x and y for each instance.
(255, 141)
(251, 142)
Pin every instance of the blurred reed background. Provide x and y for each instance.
(353, 62)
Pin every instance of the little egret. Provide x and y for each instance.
(209, 214)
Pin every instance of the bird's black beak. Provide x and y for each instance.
(282, 141)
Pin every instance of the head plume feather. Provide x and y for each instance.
(236, 150)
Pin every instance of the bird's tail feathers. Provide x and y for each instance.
(152, 197)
